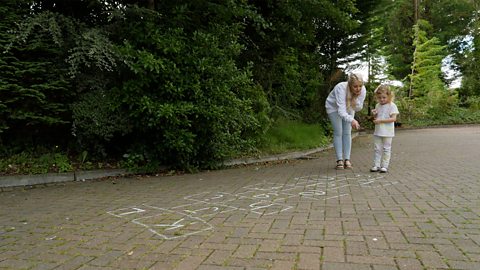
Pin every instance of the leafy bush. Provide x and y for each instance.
(96, 121)
(188, 103)
(473, 103)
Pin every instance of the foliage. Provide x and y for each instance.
(453, 23)
(425, 79)
(96, 121)
(41, 57)
(397, 24)
(27, 163)
(457, 116)
(34, 94)
(471, 62)
(472, 103)
(187, 101)
(435, 106)
(295, 47)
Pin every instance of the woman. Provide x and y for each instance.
(343, 101)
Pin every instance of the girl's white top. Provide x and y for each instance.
(337, 102)
(384, 112)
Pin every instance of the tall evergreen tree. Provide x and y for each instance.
(34, 90)
(426, 76)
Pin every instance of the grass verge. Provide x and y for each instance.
(287, 136)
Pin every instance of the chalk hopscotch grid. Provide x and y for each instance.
(263, 199)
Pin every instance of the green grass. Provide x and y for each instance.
(285, 136)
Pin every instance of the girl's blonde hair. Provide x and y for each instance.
(352, 99)
(385, 89)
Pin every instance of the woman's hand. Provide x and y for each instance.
(355, 124)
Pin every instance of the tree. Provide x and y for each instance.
(426, 76)
(34, 88)
(296, 47)
(470, 62)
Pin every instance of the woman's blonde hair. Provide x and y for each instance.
(385, 89)
(352, 99)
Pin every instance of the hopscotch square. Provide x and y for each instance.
(315, 194)
(202, 209)
(268, 208)
(310, 192)
(243, 203)
(261, 207)
(170, 225)
(128, 212)
(266, 186)
(212, 197)
(267, 196)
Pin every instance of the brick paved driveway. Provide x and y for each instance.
(424, 214)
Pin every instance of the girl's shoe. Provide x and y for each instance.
(348, 164)
(339, 165)
(374, 169)
(383, 170)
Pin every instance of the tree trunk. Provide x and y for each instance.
(415, 12)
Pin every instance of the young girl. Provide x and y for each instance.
(343, 101)
(385, 115)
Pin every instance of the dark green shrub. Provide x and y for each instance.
(188, 103)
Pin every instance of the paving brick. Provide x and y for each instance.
(76, 262)
(218, 257)
(314, 235)
(252, 263)
(17, 264)
(308, 261)
(431, 259)
(393, 253)
(291, 256)
(300, 249)
(191, 262)
(283, 265)
(268, 245)
(464, 265)
(384, 267)
(322, 243)
(409, 264)
(106, 258)
(450, 252)
(245, 251)
(216, 267)
(370, 259)
(344, 266)
(356, 248)
(293, 240)
(333, 254)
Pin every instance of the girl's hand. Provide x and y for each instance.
(355, 124)
(374, 111)
(376, 121)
